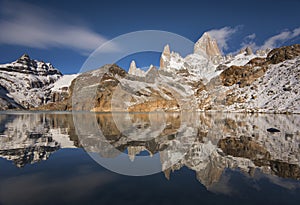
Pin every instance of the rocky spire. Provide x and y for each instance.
(165, 57)
(132, 67)
(248, 51)
(133, 70)
(207, 46)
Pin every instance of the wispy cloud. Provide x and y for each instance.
(249, 41)
(28, 25)
(223, 35)
(281, 38)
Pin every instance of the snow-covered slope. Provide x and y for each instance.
(64, 82)
(276, 91)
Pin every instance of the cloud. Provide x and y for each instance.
(281, 38)
(223, 35)
(24, 24)
(250, 37)
(249, 41)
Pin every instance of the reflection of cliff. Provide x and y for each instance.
(30, 138)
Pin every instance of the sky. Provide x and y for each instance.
(66, 33)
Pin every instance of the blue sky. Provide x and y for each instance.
(66, 32)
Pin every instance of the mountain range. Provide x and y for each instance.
(265, 81)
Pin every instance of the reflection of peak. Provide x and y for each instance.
(135, 150)
(29, 155)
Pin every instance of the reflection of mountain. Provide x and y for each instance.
(238, 141)
(30, 138)
(208, 143)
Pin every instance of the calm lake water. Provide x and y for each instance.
(156, 158)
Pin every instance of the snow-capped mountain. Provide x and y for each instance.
(207, 61)
(266, 81)
(27, 83)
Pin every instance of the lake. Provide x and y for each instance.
(149, 158)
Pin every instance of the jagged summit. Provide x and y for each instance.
(247, 51)
(166, 50)
(132, 67)
(165, 57)
(25, 56)
(26, 65)
(208, 46)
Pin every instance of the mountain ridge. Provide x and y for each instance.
(204, 80)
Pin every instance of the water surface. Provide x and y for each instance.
(195, 158)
